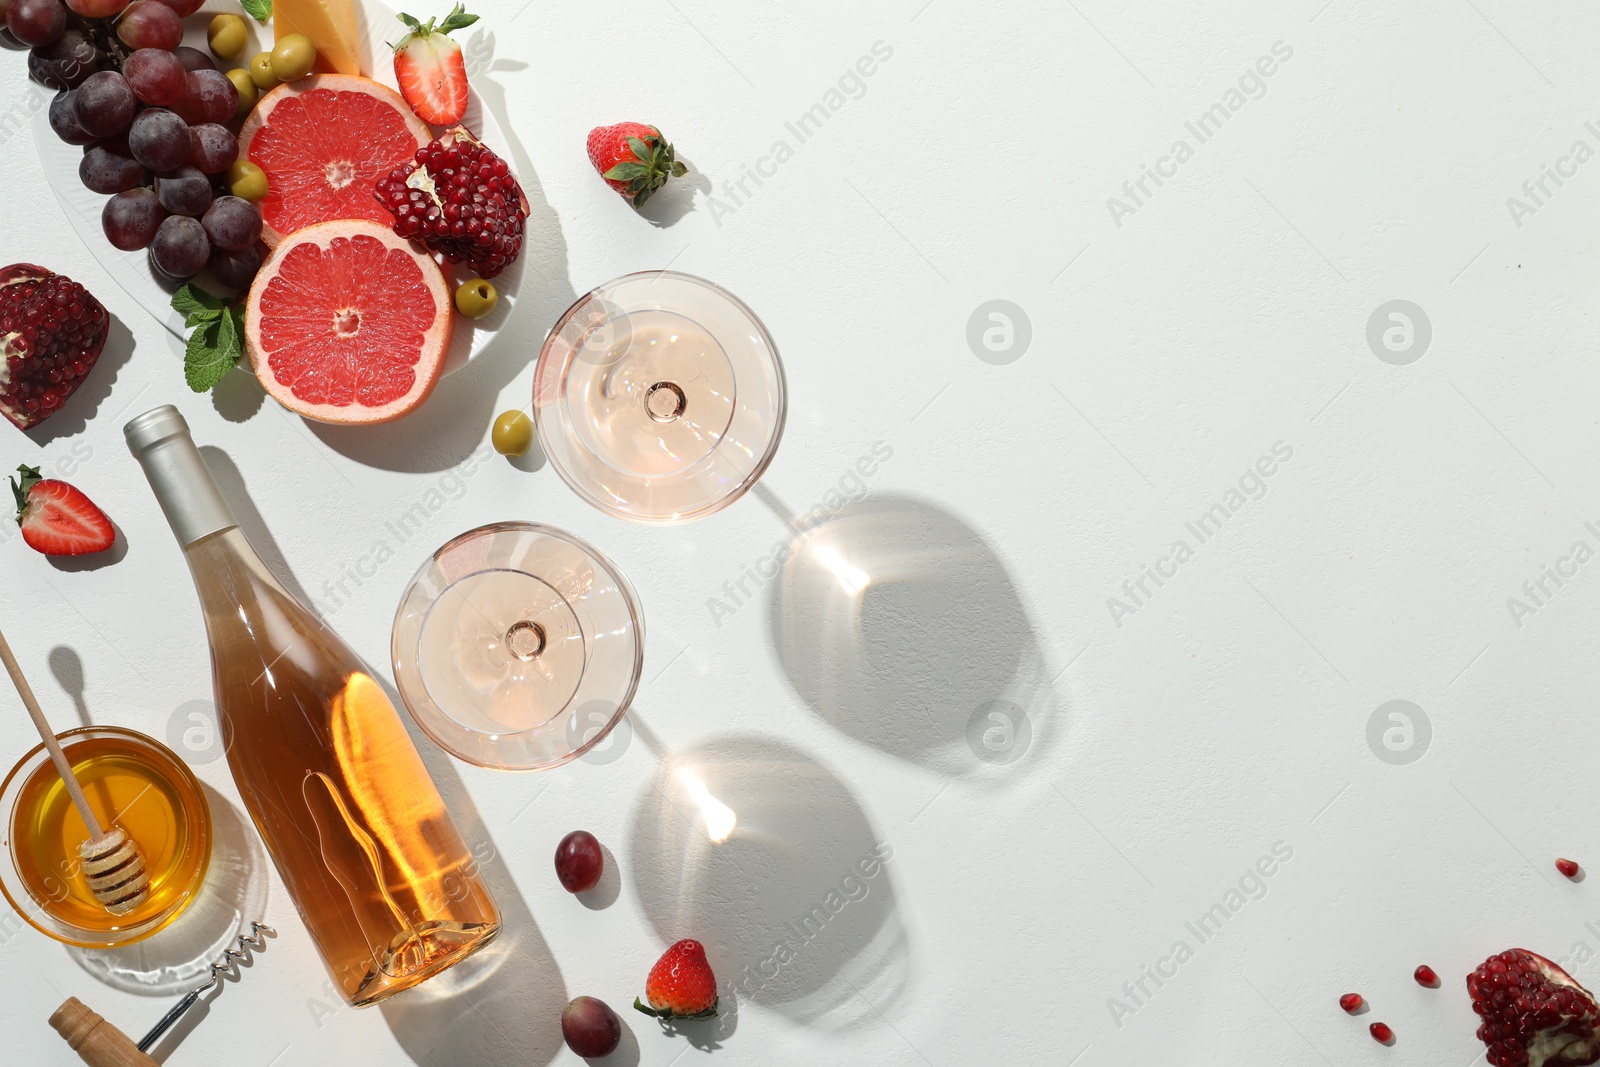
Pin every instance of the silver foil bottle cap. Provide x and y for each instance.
(159, 439)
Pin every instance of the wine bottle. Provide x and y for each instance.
(372, 859)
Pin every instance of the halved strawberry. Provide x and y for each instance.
(57, 519)
(430, 70)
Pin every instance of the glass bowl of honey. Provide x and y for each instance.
(131, 781)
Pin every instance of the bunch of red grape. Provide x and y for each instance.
(154, 121)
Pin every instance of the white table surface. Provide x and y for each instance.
(1172, 347)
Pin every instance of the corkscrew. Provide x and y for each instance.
(100, 1044)
(253, 940)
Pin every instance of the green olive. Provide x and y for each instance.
(227, 36)
(513, 433)
(247, 90)
(293, 57)
(476, 298)
(246, 180)
(261, 71)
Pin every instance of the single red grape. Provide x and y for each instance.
(155, 76)
(65, 63)
(180, 248)
(150, 24)
(184, 191)
(36, 22)
(103, 104)
(590, 1027)
(97, 9)
(238, 269)
(193, 58)
(212, 148)
(130, 219)
(579, 861)
(109, 168)
(64, 121)
(208, 96)
(232, 224)
(159, 139)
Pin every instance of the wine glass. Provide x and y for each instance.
(659, 397)
(518, 646)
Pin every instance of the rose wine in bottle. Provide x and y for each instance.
(377, 869)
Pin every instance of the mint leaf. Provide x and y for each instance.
(260, 10)
(190, 298)
(213, 350)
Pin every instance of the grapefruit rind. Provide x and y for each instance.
(271, 313)
(288, 188)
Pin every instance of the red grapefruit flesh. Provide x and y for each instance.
(324, 141)
(348, 323)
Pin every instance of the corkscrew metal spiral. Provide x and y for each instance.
(253, 940)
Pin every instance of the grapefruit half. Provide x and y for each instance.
(324, 141)
(348, 323)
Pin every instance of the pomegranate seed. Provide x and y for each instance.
(1381, 1033)
(1351, 1003)
(1567, 867)
(1425, 976)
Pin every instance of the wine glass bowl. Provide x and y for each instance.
(518, 646)
(659, 397)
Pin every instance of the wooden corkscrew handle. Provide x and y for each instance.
(97, 1042)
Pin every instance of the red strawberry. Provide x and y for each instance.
(634, 159)
(681, 985)
(51, 334)
(430, 70)
(57, 519)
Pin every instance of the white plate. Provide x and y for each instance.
(132, 271)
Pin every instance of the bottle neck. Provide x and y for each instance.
(183, 485)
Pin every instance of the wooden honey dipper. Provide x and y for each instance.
(112, 863)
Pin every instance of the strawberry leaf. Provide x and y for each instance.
(641, 151)
(458, 19)
(30, 478)
(654, 162)
(260, 10)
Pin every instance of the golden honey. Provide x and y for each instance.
(132, 782)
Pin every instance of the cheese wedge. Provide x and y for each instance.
(331, 26)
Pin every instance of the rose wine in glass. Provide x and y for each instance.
(377, 869)
(518, 646)
(659, 397)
